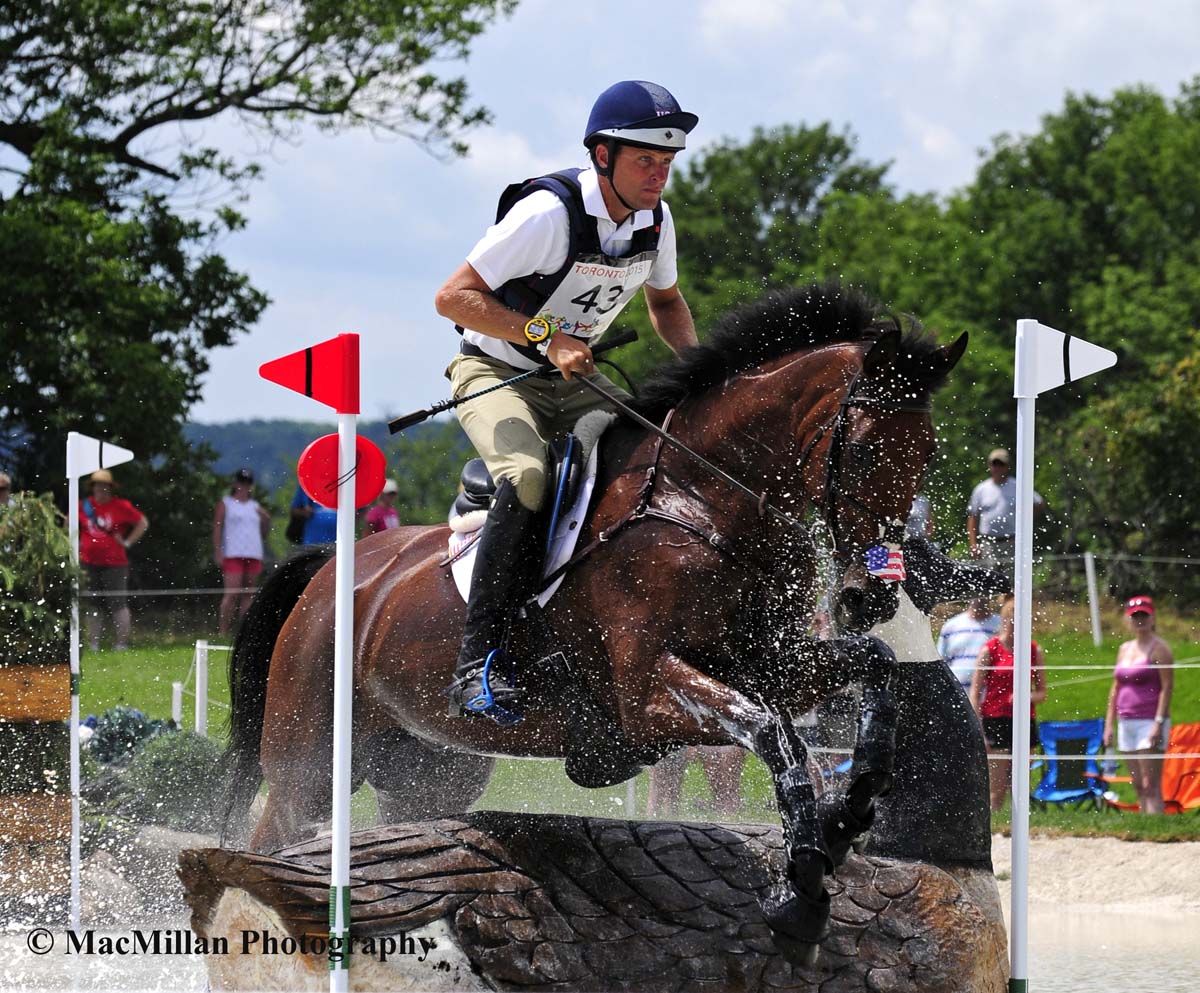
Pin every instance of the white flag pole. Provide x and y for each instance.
(1045, 359)
(343, 690)
(73, 532)
(1022, 648)
(84, 455)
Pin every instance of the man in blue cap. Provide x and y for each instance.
(567, 252)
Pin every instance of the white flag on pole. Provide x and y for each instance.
(85, 455)
(1051, 359)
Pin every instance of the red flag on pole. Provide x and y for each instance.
(327, 372)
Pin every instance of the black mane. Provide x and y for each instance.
(782, 322)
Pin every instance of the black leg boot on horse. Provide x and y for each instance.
(479, 687)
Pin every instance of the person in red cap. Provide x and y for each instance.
(1139, 704)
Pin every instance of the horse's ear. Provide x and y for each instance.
(882, 353)
(948, 355)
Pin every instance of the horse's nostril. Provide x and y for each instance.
(853, 599)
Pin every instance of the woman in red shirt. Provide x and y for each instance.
(992, 697)
(108, 526)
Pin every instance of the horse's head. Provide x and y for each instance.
(881, 443)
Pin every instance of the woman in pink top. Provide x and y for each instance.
(1139, 703)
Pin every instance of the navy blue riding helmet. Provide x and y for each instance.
(635, 112)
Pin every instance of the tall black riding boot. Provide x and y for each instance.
(477, 687)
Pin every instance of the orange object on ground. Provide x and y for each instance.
(1181, 777)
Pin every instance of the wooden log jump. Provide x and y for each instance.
(500, 901)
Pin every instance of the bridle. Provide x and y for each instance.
(644, 508)
(892, 529)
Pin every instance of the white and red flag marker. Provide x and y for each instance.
(329, 373)
(84, 456)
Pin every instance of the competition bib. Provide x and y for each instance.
(593, 293)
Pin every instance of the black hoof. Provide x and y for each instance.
(797, 923)
(841, 830)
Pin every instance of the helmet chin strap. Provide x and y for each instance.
(607, 172)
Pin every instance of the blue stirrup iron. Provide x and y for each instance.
(485, 702)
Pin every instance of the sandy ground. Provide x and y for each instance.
(1090, 873)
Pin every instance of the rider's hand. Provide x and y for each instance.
(975, 551)
(1107, 739)
(570, 356)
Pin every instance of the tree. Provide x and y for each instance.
(749, 216)
(110, 294)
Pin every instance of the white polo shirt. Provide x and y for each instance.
(534, 237)
(996, 507)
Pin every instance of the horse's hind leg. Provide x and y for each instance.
(416, 780)
(846, 818)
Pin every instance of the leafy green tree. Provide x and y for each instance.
(35, 581)
(426, 465)
(111, 293)
(750, 216)
(1132, 448)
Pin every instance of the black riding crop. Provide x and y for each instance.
(417, 416)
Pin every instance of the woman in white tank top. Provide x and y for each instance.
(239, 527)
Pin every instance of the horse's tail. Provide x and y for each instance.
(249, 662)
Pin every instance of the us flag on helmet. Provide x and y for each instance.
(886, 563)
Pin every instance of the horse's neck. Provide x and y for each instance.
(753, 422)
(908, 634)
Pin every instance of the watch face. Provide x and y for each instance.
(537, 329)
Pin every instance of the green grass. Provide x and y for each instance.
(1077, 695)
(1065, 820)
(142, 678)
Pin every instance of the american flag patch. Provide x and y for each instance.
(885, 563)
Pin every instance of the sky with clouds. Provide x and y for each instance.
(352, 233)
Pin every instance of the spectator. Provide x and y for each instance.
(992, 514)
(992, 697)
(5, 488)
(108, 527)
(384, 514)
(239, 527)
(723, 766)
(920, 518)
(320, 523)
(963, 636)
(1140, 702)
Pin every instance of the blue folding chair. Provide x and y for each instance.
(1080, 780)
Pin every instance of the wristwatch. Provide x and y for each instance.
(538, 330)
(1160, 720)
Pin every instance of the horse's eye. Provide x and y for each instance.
(858, 461)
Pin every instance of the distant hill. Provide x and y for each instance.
(270, 448)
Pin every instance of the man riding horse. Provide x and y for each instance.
(566, 254)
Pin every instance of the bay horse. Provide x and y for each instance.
(686, 624)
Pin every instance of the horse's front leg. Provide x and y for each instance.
(687, 705)
(847, 817)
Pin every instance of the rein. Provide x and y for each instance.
(832, 492)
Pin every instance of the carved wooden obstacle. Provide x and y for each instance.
(516, 901)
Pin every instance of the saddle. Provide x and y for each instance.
(572, 463)
(476, 489)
